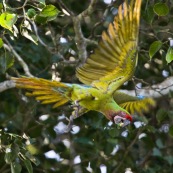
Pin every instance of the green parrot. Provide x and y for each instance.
(111, 65)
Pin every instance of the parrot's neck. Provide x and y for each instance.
(110, 109)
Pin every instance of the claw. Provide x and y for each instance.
(77, 109)
(75, 114)
(70, 124)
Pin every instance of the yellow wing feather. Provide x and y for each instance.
(43, 90)
(113, 62)
(133, 104)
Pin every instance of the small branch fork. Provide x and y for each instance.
(81, 41)
(79, 37)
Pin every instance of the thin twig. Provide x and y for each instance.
(24, 4)
(145, 159)
(63, 6)
(50, 49)
(127, 151)
(88, 11)
(39, 39)
(91, 42)
(10, 48)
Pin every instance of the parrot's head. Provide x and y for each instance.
(121, 118)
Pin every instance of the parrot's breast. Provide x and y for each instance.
(90, 98)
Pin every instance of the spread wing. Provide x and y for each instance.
(114, 61)
(133, 104)
(44, 90)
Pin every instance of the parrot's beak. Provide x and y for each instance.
(121, 122)
(125, 123)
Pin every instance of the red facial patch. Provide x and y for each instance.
(128, 117)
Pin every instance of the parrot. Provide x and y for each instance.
(111, 64)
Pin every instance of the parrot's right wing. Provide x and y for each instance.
(114, 61)
(43, 90)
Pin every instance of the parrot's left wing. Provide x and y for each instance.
(133, 104)
(114, 61)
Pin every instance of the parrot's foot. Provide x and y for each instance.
(70, 124)
(77, 108)
(78, 111)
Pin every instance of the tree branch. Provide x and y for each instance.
(80, 40)
(88, 11)
(79, 37)
(6, 85)
(154, 91)
(63, 6)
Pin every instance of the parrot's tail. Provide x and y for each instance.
(44, 90)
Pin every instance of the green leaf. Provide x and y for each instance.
(48, 13)
(1, 6)
(7, 20)
(169, 159)
(32, 149)
(1, 42)
(112, 141)
(161, 9)
(161, 115)
(170, 113)
(9, 157)
(154, 47)
(29, 36)
(32, 158)
(31, 13)
(9, 61)
(149, 14)
(40, 19)
(169, 55)
(113, 133)
(84, 140)
(41, 1)
(150, 129)
(156, 152)
(11, 153)
(28, 165)
(171, 131)
(159, 143)
(15, 167)
(6, 61)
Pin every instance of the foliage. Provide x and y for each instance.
(43, 35)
